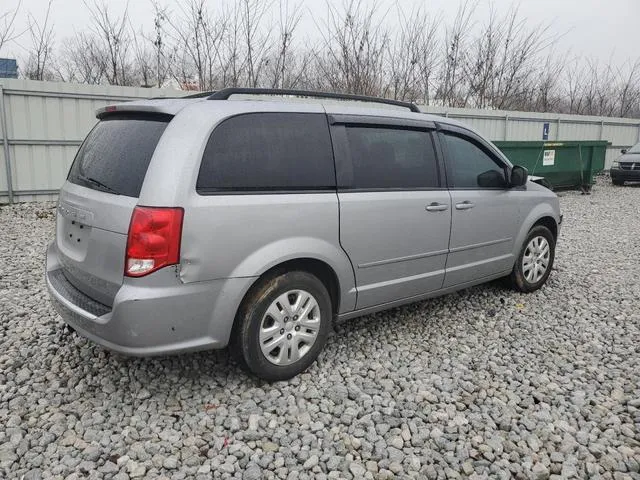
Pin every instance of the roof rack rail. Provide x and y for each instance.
(200, 94)
(182, 97)
(225, 93)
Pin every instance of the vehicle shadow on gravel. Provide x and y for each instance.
(474, 310)
(434, 319)
(492, 297)
(145, 377)
(217, 368)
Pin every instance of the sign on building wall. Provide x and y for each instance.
(545, 131)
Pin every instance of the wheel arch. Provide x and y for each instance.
(517, 277)
(316, 255)
(542, 214)
(322, 270)
(550, 223)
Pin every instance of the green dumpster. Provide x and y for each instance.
(564, 165)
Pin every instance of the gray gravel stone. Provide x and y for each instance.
(557, 457)
(484, 383)
(270, 447)
(35, 474)
(397, 442)
(357, 470)
(108, 467)
(311, 462)
(333, 462)
(540, 472)
(170, 463)
(252, 472)
(135, 469)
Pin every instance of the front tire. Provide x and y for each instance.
(282, 325)
(618, 183)
(535, 261)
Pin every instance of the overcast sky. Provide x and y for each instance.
(601, 29)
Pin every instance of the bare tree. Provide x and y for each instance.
(596, 83)
(520, 48)
(257, 43)
(628, 94)
(482, 67)
(7, 25)
(81, 60)
(199, 35)
(37, 65)
(596, 89)
(234, 46)
(354, 44)
(143, 59)
(548, 94)
(286, 70)
(574, 87)
(231, 58)
(412, 57)
(164, 54)
(112, 37)
(504, 62)
(452, 88)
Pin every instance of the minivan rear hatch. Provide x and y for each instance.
(98, 198)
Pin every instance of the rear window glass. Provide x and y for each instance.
(268, 151)
(115, 155)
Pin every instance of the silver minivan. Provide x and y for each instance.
(253, 218)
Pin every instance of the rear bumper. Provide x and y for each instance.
(155, 315)
(625, 175)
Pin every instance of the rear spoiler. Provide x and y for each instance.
(165, 106)
(125, 108)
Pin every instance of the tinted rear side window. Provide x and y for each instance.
(115, 155)
(392, 158)
(268, 151)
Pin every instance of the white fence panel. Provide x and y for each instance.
(505, 125)
(46, 122)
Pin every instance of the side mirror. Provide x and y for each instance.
(491, 179)
(623, 151)
(519, 176)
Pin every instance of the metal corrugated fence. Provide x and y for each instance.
(46, 122)
(504, 125)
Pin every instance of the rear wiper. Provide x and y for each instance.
(98, 184)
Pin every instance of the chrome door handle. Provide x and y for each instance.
(436, 207)
(466, 205)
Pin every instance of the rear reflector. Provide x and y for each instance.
(154, 240)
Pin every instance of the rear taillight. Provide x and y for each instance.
(154, 240)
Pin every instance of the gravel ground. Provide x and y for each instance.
(482, 383)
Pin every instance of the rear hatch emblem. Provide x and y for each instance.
(75, 213)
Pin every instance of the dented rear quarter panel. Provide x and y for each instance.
(241, 235)
(274, 229)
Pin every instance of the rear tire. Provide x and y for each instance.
(535, 261)
(282, 325)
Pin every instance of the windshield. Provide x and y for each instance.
(635, 148)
